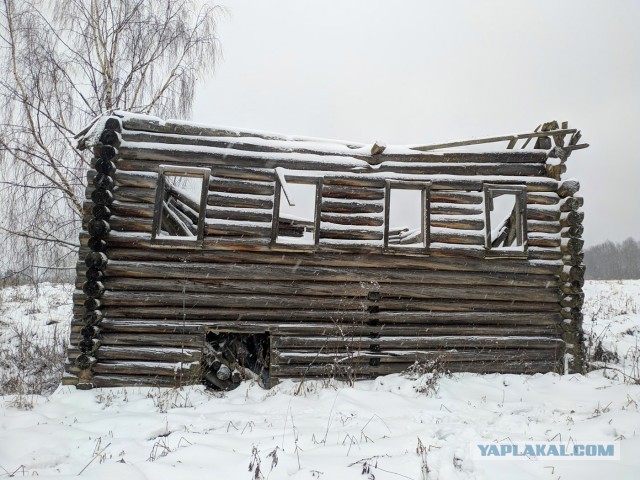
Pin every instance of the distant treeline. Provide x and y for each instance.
(613, 261)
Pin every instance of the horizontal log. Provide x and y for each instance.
(239, 214)
(142, 252)
(135, 194)
(217, 184)
(574, 231)
(248, 229)
(438, 208)
(460, 198)
(230, 172)
(464, 237)
(131, 224)
(347, 192)
(544, 253)
(573, 273)
(232, 307)
(147, 354)
(140, 179)
(323, 371)
(354, 233)
(445, 221)
(571, 203)
(175, 340)
(517, 324)
(112, 299)
(130, 209)
(550, 198)
(245, 142)
(543, 227)
(572, 245)
(407, 356)
(546, 214)
(239, 201)
(462, 341)
(296, 298)
(543, 240)
(189, 372)
(266, 272)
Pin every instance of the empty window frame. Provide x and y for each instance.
(505, 218)
(406, 223)
(181, 199)
(296, 212)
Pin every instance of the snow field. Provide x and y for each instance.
(392, 427)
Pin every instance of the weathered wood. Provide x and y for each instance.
(175, 340)
(248, 229)
(407, 356)
(354, 233)
(465, 223)
(573, 231)
(572, 245)
(104, 381)
(568, 188)
(517, 324)
(455, 236)
(303, 272)
(314, 371)
(542, 240)
(239, 214)
(290, 299)
(347, 192)
(571, 203)
(550, 198)
(437, 208)
(240, 201)
(121, 250)
(572, 301)
(218, 184)
(352, 219)
(134, 194)
(573, 273)
(465, 198)
(188, 372)
(147, 354)
(537, 226)
(571, 219)
(362, 344)
(545, 214)
(346, 206)
(482, 312)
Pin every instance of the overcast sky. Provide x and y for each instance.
(426, 72)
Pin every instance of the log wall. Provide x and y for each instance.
(143, 306)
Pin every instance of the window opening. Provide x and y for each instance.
(505, 218)
(297, 219)
(406, 212)
(181, 203)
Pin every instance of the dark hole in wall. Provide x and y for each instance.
(230, 358)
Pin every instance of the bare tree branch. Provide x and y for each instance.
(65, 62)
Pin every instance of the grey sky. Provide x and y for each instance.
(422, 71)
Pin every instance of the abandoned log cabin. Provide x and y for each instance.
(213, 255)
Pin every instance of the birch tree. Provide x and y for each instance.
(64, 63)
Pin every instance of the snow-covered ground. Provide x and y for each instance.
(389, 428)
